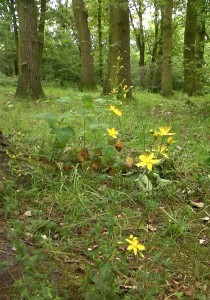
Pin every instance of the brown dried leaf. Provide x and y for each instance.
(130, 162)
(118, 145)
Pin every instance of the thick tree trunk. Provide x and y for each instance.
(189, 47)
(29, 81)
(166, 87)
(119, 49)
(87, 63)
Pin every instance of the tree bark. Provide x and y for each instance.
(29, 81)
(189, 47)
(199, 48)
(139, 32)
(118, 75)
(41, 29)
(87, 63)
(166, 87)
(100, 44)
(15, 27)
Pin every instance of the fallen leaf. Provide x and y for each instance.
(206, 219)
(130, 162)
(150, 227)
(28, 213)
(197, 204)
(202, 242)
(118, 145)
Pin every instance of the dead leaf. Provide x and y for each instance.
(189, 291)
(197, 204)
(206, 219)
(202, 242)
(150, 227)
(118, 145)
(130, 162)
(28, 213)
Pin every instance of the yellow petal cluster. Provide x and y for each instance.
(112, 132)
(163, 150)
(115, 110)
(134, 245)
(165, 131)
(147, 160)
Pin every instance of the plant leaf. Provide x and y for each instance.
(64, 100)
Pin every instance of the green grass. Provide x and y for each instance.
(66, 246)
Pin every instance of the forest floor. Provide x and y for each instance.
(70, 196)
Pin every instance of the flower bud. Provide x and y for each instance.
(169, 141)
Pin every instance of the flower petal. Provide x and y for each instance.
(135, 250)
(149, 166)
(141, 247)
(130, 248)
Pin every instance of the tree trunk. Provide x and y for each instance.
(41, 29)
(87, 64)
(189, 47)
(139, 32)
(15, 27)
(100, 45)
(166, 87)
(199, 49)
(29, 81)
(156, 39)
(118, 75)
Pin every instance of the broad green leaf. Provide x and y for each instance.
(63, 134)
(66, 114)
(87, 101)
(64, 100)
(50, 118)
(98, 126)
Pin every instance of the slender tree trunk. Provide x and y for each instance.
(156, 39)
(41, 29)
(100, 44)
(189, 47)
(29, 81)
(139, 32)
(166, 87)
(87, 63)
(118, 75)
(199, 49)
(15, 27)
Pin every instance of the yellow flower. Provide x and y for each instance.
(115, 110)
(135, 245)
(112, 132)
(162, 150)
(164, 131)
(170, 141)
(147, 160)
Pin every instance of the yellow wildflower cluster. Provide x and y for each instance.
(115, 110)
(148, 159)
(112, 131)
